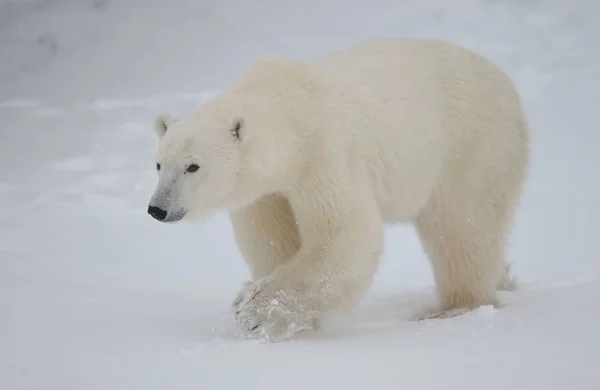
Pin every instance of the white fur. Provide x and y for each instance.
(330, 150)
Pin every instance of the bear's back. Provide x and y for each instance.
(421, 105)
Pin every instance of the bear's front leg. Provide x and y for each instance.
(266, 234)
(342, 241)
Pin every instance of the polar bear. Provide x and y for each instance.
(313, 158)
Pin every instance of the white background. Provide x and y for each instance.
(95, 294)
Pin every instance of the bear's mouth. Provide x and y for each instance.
(175, 217)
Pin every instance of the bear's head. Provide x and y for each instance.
(223, 156)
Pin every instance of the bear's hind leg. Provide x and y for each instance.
(267, 234)
(464, 240)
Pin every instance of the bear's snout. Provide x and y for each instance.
(157, 213)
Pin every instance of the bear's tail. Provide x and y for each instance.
(507, 283)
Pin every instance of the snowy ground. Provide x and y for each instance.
(94, 294)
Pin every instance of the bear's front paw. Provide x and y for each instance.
(273, 313)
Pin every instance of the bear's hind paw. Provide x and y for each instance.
(430, 314)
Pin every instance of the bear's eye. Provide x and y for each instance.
(236, 129)
(157, 166)
(192, 168)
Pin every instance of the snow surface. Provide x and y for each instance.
(94, 294)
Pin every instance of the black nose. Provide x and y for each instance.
(157, 213)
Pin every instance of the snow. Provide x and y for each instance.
(94, 294)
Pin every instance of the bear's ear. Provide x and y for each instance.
(161, 123)
(238, 130)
